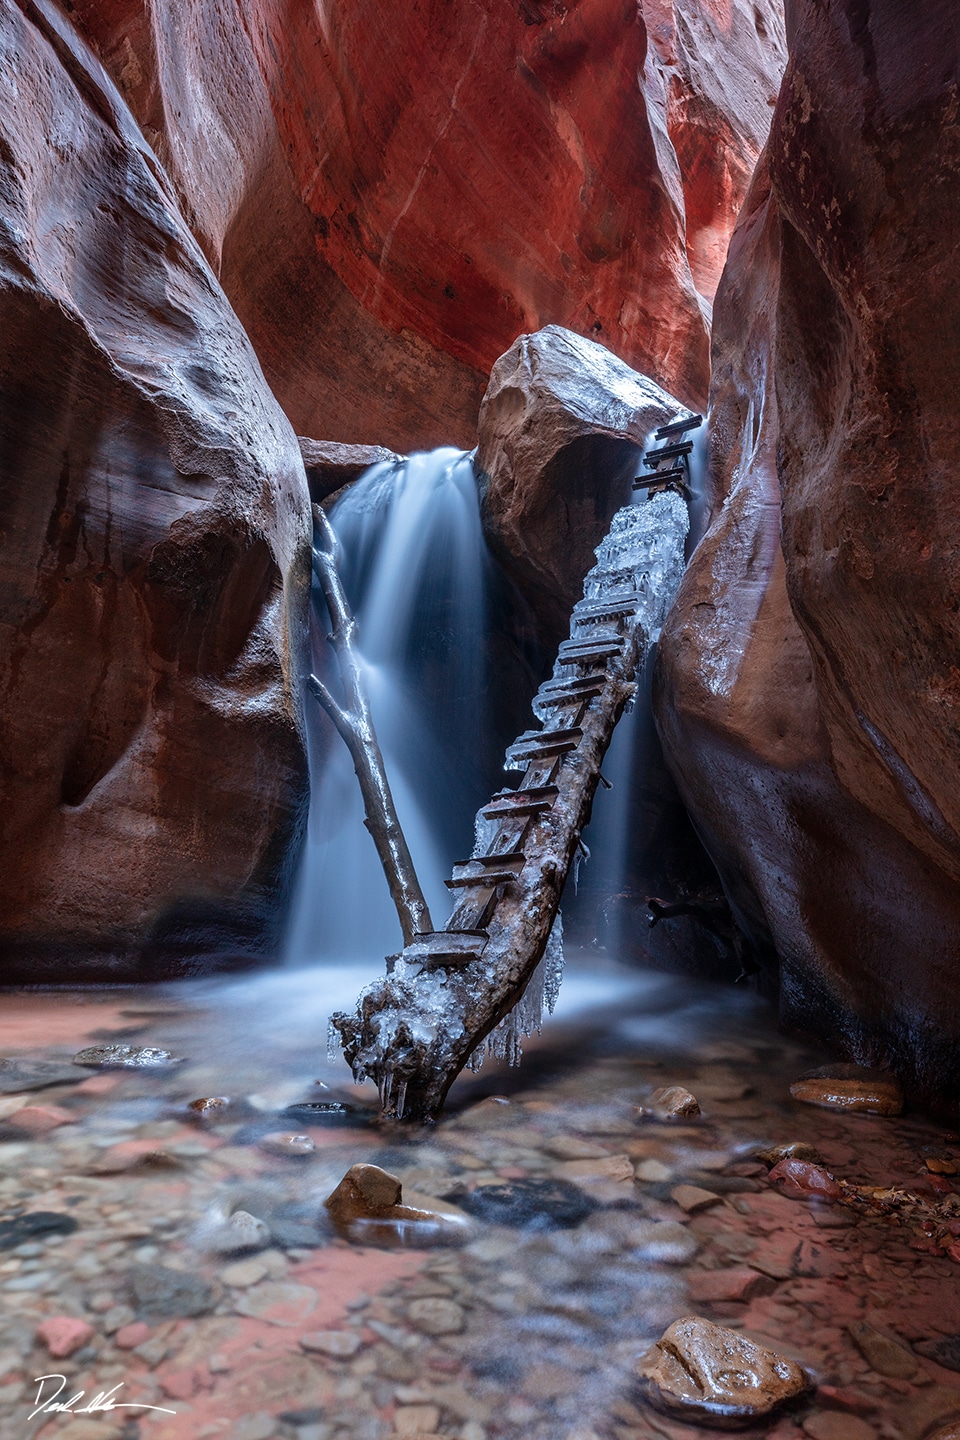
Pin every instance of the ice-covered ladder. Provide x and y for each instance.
(416, 1028)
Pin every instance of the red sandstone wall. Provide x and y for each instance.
(392, 193)
(810, 692)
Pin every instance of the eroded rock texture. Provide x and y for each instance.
(391, 194)
(810, 686)
(154, 558)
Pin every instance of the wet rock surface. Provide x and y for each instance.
(527, 1331)
(850, 1087)
(707, 1372)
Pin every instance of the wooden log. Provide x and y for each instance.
(354, 723)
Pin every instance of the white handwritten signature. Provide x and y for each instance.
(51, 1405)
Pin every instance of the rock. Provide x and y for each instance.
(653, 1172)
(338, 1344)
(709, 1375)
(330, 465)
(940, 1162)
(881, 1352)
(366, 1191)
(805, 702)
(433, 1315)
(801, 1180)
(692, 1199)
(850, 1087)
(367, 1206)
(244, 1274)
(242, 1231)
(253, 1427)
(164, 1294)
(834, 1425)
(771, 1155)
(210, 1107)
(41, 1119)
(278, 1302)
(35, 1222)
(945, 1351)
(415, 1422)
(740, 1284)
(125, 1057)
(64, 1334)
(670, 1103)
(128, 1337)
(665, 1242)
(284, 1142)
(571, 1147)
(329, 1113)
(527, 1204)
(607, 1167)
(20, 1075)
(560, 434)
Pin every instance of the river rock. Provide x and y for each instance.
(338, 1344)
(669, 1104)
(801, 1180)
(331, 465)
(945, 1351)
(63, 1334)
(164, 1294)
(434, 1315)
(126, 1057)
(209, 1107)
(527, 1204)
(242, 1231)
(850, 1087)
(285, 1142)
(882, 1353)
(367, 1206)
(692, 1199)
(794, 1150)
(20, 1075)
(22, 1228)
(707, 1374)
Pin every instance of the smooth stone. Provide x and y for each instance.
(669, 1104)
(64, 1334)
(36, 1222)
(279, 1302)
(41, 1119)
(945, 1351)
(528, 1204)
(705, 1373)
(20, 1075)
(338, 1344)
(665, 1241)
(416, 1422)
(242, 1231)
(835, 1425)
(244, 1273)
(209, 1107)
(284, 1142)
(164, 1294)
(366, 1191)
(692, 1199)
(795, 1150)
(801, 1180)
(571, 1147)
(433, 1315)
(367, 1207)
(653, 1172)
(125, 1057)
(882, 1353)
(739, 1284)
(850, 1087)
(130, 1336)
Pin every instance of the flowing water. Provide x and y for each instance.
(418, 576)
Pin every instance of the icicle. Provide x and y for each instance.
(334, 1043)
(505, 1042)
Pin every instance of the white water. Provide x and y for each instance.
(416, 571)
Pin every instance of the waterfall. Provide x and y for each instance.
(416, 571)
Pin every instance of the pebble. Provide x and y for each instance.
(41, 1119)
(125, 1057)
(64, 1334)
(416, 1420)
(35, 1222)
(209, 1107)
(242, 1231)
(339, 1344)
(433, 1315)
(669, 1104)
(739, 1284)
(795, 1150)
(850, 1087)
(706, 1373)
(529, 1204)
(129, 1336)
(366, 1191)
(692, 1199)
(285, 1142)
(834, 1425)
(19, 1075)
(945, 1351)
(801, 1180)
(882, 1353)
(164, 1294)
(653, 1172)
(666, 1242)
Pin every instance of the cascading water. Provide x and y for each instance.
(416, 571)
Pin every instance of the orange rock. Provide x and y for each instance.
(63, 1334)
(801, 1180)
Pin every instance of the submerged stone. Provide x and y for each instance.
(282, 1142)
(882, 1353)
(163, 1294)
(707, 1374)
(794, 1150)
(125, 1057)
(945, 1351)
(669, 1104)
(242, 1231)
(37, 1222)
(367, 1207)
(527, 1204)
(850, 1087)
(19, 1075)
(801, 1180)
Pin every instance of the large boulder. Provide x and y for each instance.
(391, 194)
(809, 688)
(155, 559)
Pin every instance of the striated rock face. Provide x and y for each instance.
(154, 557)
(810, 689)
(390, 195)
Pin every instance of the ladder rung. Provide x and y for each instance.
(643, 482)
(668, 452)
(520, 802)
(572, 650)
(512, 860)
(579, 688)
(616, 605)
(453, 948)
(489, 879)
(537, 743)
(677, 427)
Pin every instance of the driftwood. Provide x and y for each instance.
(355, 724)
(416, 1028)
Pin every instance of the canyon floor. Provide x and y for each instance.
(533, 1326)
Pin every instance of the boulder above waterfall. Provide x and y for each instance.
(560, 433)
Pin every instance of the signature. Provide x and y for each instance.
(52, 1405)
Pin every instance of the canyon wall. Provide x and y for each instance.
(154, 556)
(810, 692)
(391, 194)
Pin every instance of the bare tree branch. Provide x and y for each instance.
(354, 723)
